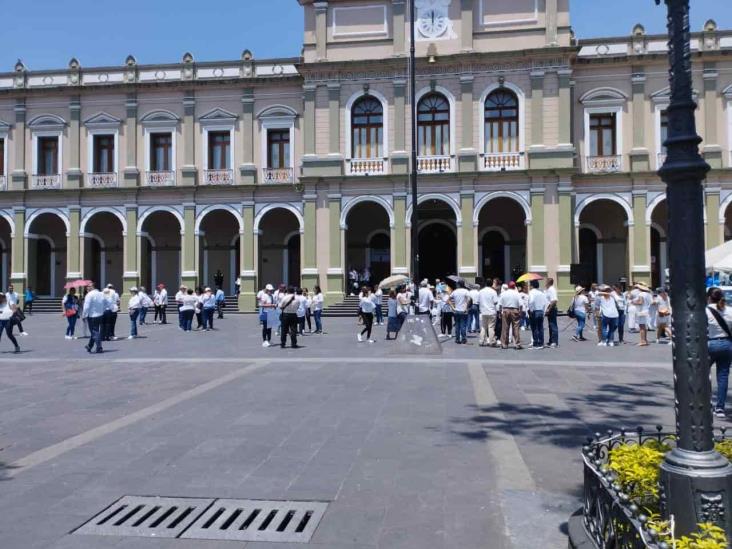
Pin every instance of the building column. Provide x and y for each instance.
(131, 173)
(334, 291)
(467, 159)
(712, 151)
(74, 173)
(248, 168)
(18, 178)
(715, 229)
(399, 235)
(131, 253)
(565, 108)
(535, 233)
(639, 157)
(466, 25)
(19, 269)
(399, 156)
(74, 265)
(321, 30)
(188, 170)
(399, 25)
(189, 247)
(639, 239)
(566, 235)
(308, 240)
(309, 119)
(537, 109)
(334, 119)
(247, 266)
(467, 260)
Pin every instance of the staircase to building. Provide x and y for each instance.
(348, 307)
(49, 305)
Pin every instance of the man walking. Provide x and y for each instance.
(474, 311)
(14, 302)
(510, 304)
(424, 298)
(288, 304)
(179, 303)
(551, 312)
(220, 299)
(487, 302)
(94, 306)
(537, 306)
(460, 300)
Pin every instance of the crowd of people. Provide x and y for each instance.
(287, 310)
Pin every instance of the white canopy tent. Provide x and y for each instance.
(719, 259)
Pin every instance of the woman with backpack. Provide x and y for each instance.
(719, 332)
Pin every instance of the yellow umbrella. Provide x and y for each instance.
(528, 277)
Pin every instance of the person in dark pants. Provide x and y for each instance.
(95, 304)
(551, 312)
(289, 305)
(28, 301)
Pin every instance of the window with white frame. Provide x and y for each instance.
(47, 146)
(603, 129)
(103, 138)
(160, 129)
(217, 127)
(4, 129)
(277, 128)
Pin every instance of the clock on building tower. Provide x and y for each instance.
(433, 20)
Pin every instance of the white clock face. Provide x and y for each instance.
(433, 22)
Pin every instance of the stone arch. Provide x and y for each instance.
(653, 204)
(442, 198)
(103, 209)
(604, 196)
(11, 222)
(55, 211)
(361, 199)
(270, 207)
(503, 194)
(219, 207)
(147, 213)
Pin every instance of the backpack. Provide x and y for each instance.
(570, 311)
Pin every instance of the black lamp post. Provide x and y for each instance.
(414, 233)
(696, 481)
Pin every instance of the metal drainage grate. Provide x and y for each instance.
(147, 517)
(252, 520)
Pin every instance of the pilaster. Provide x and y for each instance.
(639, 157)
(399, 235)
(715, 230)
(19, 269)
(399, 156)
(131, 272)
(189, 247)
(334, 118)
(309, 91)
(399, 26)
(74, 242)
(565, 107)
(536, 233)
(468, 265)
(248, 169)
(19, 176)
(321, 29)
(308, 242)
(551, 23)
(188, 170)
(73, 174)
(466, 25)
(334, 291)
(537, 108)
(711, 150)
(467, 155)
(131, 173)
(247, 266)
(639, 239)
(566, 236)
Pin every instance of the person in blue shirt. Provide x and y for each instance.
(28, 301)
(208, 306)
(220, 302)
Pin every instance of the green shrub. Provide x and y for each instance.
(725, 448)
(709, 536)
(638, 468)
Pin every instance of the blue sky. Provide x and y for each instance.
(47, 33)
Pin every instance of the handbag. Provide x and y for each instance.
(20, 315)
(570, 311)
(69, 313)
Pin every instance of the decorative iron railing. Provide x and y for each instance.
(434, 164)
(604, 164)
(278, 175)
(102, 180)
(498, 162)
(46, 181)
(160, 178)
(610, 518)
(218, 177)
(366, 166)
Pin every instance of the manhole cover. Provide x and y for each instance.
(146, 516)
(253, 520)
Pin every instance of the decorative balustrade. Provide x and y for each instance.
(3, 183)
(498, 162)
(434, 164)
(160, 179)
(218, 177)
(102, 180)
(604, 164)
(366, 166)
(278, 175)
(46, 181)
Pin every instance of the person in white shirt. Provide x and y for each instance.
(379, 295)
(403, 302)
(609, 315)
(643, 304)
(188, 304)
(318, 309)
(537, 306)
(180, 294)
(301, 306)
(289, 305)
(580, 306)
(94, 307)
(368, 306)
(550, 291)
(622, 305)
(632, 309)
(160, 300)
(14, 301)
(524, 316)
(208, 308)
(267, 313)
(510, 304)
(6, 317)
(487, 303)
(424, 298)
(133, 307)
(663, 316)
(719, 342)
(474, 311)
(460, 300)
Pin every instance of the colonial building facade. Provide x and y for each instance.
(536, 151)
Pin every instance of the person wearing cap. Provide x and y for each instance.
(110, 312)
(94, 307)
(208, 307)
(266, 312)
(608, 315)
(424, 298)
(160, 300)
(643, 303)
(220, 302)
(622, 305)
(188, 309)
(631, 298)
(487, 302)
(317, 306)
(663, 316)
(510, 304)
(474, 311)
(133, 308)
(180, 294)
(552, 299)
(537, 306)
(460, 301)
(580, 306)
(288, 304)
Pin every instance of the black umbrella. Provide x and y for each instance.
(454, 280)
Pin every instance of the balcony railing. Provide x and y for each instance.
(3, 183)
(218, 177)
(278, 175)
(661, 160)
(160, 179)
(366, 166)
(434, 164)
(102, 180)
(499, 162)
(46, 181)
(604, 164)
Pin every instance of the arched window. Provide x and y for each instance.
(433, 125)
(367, 128)
(501, 122)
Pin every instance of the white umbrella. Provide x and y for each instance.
(393, 281)
(719, 258)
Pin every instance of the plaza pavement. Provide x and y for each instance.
(478, 448)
